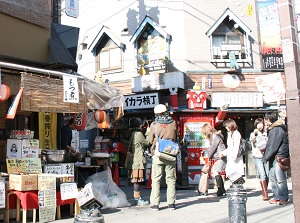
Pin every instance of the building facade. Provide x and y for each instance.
(183, 48)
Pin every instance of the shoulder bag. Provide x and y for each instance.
(284, 163)
(165, 148)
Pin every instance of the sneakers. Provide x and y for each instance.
(273, 201)
(140, 202)
(154, 207)
(171, 207)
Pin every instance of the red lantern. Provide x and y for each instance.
(4, 92)
(80, 121)
(100, 116)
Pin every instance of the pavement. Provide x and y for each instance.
(191, 208)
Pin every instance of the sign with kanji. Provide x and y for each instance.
(138, 101)
(72, 8)
(71, 91)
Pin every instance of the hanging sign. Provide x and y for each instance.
(72, 8)
(71, 91)
(47, 130)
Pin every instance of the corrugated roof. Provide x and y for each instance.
(33, 11)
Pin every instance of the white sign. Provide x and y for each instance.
(72, 8)
(231, 47)
(138, 101)
(237, 99)
(68, 191)
(287, 49)
(71, 91)
(2, 195)
(272, 86)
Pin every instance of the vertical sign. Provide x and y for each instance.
(47, 130)
(71, 91)
(72, 8)
(272, 58)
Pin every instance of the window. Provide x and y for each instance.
(229, 40)
(109, 56)
(226, 39)
(152, 44)
(151, 47)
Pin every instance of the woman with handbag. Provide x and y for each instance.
(216, 146)
(259, 141)
(235, 164)
(136, 162)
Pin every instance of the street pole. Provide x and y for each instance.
(291, 68)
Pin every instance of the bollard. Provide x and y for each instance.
(237, 198)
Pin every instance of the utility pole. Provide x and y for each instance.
(291, 54)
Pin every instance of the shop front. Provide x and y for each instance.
(43, 100)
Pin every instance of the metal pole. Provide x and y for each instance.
(291, 67)
(237, 198)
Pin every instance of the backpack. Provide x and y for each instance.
(245, 147)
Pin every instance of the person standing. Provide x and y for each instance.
(277, 145)
(216, 146)
(66, 137)
(138, 146)
(259, 141)
(235, 166)
(166, 129)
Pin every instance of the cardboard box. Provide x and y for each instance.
(89, 197)
(23, 182)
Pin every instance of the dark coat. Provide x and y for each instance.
(278, 143)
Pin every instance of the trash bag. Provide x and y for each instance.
(112, 196)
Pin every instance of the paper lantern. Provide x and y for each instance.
(100, 116)
(105, 124)
(80, 121)
(4, 92)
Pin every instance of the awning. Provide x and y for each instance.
(43, 91)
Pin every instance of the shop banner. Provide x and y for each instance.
(47, 130)
(71, 91)
(272, 57)
(138, 101)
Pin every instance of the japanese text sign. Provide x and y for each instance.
(71, 91)
(25, 165)
(138, 101)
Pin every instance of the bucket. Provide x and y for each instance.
(89, 216)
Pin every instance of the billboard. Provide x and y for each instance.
(271, 49)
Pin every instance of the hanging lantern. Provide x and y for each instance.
(4, 92)
(80, 121)
(105, 124)
(100, 116)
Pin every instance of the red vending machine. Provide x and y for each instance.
(190, 126)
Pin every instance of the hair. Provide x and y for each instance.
(257, 121)
(71, 121)
(207, 130)
(230, 124)
(272, 116)
(135, 122)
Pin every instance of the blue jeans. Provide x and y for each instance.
(279, 183)
(262, 169)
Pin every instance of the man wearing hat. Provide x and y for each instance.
(166, 129)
